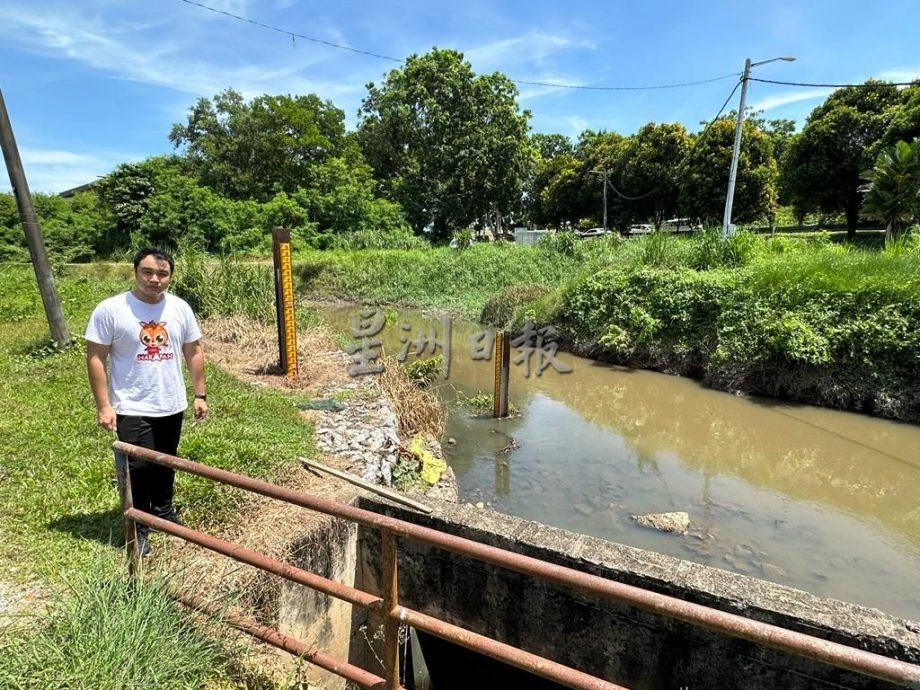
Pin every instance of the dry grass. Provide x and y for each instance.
(266, 525)
(418, 410)
(249, 350)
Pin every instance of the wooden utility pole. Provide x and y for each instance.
(36, 242)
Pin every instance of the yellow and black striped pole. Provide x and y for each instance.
(284, 301)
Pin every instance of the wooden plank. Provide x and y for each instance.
(383, 491)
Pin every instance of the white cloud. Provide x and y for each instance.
(578, 124)
(787, 97)
(231, 6)
(544, 86)
(164, 59)
(52, 157)
(54, 170)
(534, 47)
(900, 75)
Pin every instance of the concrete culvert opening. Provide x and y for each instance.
(613, 641)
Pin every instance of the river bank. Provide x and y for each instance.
(801, 320)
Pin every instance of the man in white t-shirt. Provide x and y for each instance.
(140, 334)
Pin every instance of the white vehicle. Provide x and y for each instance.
(591, 232)
(641, 229)
(679, 225)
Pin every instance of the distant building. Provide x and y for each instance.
(67, 193)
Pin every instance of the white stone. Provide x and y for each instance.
(676, 522)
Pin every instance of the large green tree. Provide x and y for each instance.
(449, 145)
(647, 172)
(255, 149)
(822, 169)
(704, 181)
(904, 124)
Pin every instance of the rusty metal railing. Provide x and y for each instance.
(387, 604)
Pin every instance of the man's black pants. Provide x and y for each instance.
(151, 484)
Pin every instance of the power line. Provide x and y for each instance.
(869, 85)
(294, 35)
(625, 88)
(686, 158)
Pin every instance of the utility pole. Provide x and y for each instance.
(604, 174)
(733, 170)
(727, 227)
(36, 242)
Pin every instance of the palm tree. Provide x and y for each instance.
(892, 189)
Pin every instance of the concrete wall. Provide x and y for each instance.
(529, 238)
(316, 618)
(616, 642)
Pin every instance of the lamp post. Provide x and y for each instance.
(733, 171)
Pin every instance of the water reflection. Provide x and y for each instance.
(817, 499)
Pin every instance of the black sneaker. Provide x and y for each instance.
(143, 543)
(173, 517)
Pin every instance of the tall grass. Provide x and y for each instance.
(224, 285)
(459, 281)
(112, 633)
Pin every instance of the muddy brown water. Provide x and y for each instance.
(817, 499)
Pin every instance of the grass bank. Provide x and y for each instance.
(801, 318)
(442, 278)
(58, 508)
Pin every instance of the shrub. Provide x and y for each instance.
(711, 251)
(370, 239)
(561, 242)
(499, 310)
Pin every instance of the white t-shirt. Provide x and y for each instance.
(145, 359)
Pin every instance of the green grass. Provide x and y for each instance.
(110, 633)
(458, 281)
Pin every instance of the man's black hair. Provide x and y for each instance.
(156, 253)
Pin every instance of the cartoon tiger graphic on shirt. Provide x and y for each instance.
(155, 338)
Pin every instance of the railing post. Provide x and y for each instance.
(127, 501)
(390, 602)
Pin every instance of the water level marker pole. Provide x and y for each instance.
(284, 301)
(500, 396)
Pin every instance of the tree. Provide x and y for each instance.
(598, 151)
(255, 150)
(555, 192)
(647, 172)
(823, 165)
(892, 189)
(705, 181)
(339, 198)
(450, 146)
(71, 227)
(781, 132)
(904, 124)
(551, 145)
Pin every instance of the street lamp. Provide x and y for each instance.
(733, 171)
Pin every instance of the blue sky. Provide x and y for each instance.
(94, 83)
